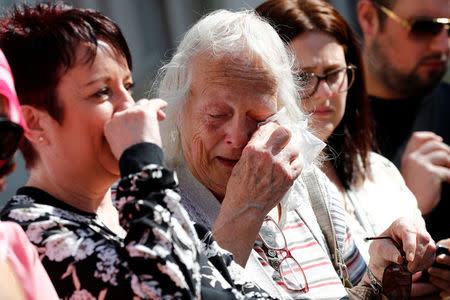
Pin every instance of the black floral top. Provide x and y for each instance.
(163, 255)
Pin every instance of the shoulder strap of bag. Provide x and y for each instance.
(320, 208)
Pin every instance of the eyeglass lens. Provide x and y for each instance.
(397, 282)
(270, 234)
(290, 270)
(338, 81)
(427, 27)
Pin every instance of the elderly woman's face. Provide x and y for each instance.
(90, 94)
(228, 98)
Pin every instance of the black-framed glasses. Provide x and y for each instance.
(10, 135)
(338, 80)
(420, 27)
(290, 270)
(397, 279)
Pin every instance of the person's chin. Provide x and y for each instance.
(221, 170)
(110, 164)
(113, 170)
(322, 129)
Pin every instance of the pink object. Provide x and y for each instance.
(7, 89)
(16, 249)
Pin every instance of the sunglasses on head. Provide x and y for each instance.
(10, 135)
(397, 279)
(420, 27)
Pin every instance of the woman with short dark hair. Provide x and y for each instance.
(73, 73)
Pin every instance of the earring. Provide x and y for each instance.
(41, 138)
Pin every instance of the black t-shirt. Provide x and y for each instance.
(397, 119)
(394, 121)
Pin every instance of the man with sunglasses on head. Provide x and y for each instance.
(406, 52)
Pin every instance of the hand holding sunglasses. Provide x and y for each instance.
(397, 279)
(404, 248)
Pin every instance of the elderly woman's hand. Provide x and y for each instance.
(415, 242)
(135, 125)
(267, 168)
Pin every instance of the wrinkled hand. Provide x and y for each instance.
(136, 124)
(415, 242)
(425, 165)
(268, 167)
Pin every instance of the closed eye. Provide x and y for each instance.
(217, 116)
(257, 120)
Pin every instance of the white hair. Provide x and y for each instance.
(219, 34)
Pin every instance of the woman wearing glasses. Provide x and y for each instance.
(238, 141)
(372, 189)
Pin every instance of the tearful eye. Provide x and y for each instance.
(129, 87)
(217, 116)
(102, 94)
(257, 120)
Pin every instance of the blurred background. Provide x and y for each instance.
(153, 29)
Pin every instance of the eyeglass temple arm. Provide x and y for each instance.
(387, 238)
(392, 15)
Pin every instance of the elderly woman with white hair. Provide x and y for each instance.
(238, 142)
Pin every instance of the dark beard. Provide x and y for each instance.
(406, 84)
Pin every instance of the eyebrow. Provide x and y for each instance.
(326, 69)
(103, 78)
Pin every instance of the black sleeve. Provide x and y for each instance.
(158, 259)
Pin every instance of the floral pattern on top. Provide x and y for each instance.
(161, 256)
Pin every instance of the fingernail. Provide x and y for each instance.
(440, 258)
(410, 256)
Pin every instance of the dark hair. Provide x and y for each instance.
(40, 44)
(352, 138)
(382, 16)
